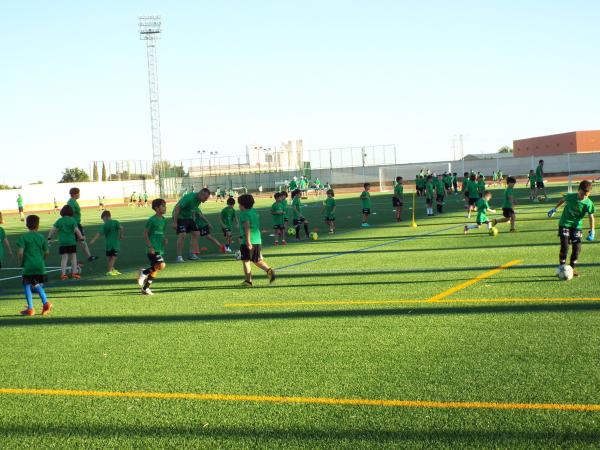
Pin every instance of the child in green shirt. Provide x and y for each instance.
(154, 236)
(68, 235)
(429, 191)
(227, 218)
(398, 198)
(531, 182)
(483, 207)
(440, 189)
(329, 209)
(508, 207)
(250, 248)
(298, 218)
(4, 244)
(114, 233)
(365, 204)
(277, 214)
(33, 250)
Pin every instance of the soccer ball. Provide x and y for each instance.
(564, 272)
(237, 255)
(494, 231)
(291, 231)
(314, 236)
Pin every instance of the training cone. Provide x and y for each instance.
(413, 224)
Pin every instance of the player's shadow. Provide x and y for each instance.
(403, 312)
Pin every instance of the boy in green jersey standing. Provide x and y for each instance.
(472, 194)
(329, 208)
(440, 193)
(365, 204)
(429, 192)
(114, 234)
(32, 253)
(483, 207)
(277, 214)
(286, 209)
(577, 205)
(508, 206)
(75, 194)
(398, 198)
(227, 218)
(250, 247)
(297, 216)
(531, 179)
(20, 207)
(154, 236)
(68, 235)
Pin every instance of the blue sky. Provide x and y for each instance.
(73, 84)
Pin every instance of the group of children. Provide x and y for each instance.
(136, 199)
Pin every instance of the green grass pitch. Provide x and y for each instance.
(323, 330)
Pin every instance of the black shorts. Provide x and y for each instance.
(204, 231)
(330, 218)
(34, 279)
(481, 223)
(299, 221)
(397, 202)
(186, 226)
(572, 234)
(429, 201)
(66, 249)
(20, 209)
(508, 212)
(155, 258)
(448, 186)
(466, 194)
(279, 227)
(112, 252)
(439, 198)
(255, 255)
(472, 201)
(539, 184)
(226, 231)
(80, 228)
(366, 211)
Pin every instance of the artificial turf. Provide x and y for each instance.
(201, 333)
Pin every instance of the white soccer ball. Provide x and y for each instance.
(564, 272)
(237, 255)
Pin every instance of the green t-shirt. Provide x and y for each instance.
(329, 206)
(532, 179)
(286, 208)
(539, 177)
(76, 209)
(494, 176)
(430, 188)
(482, 207)
(188, 205)
(303, 184)
(296, 208)
(465, 184)
(20, 201)
(440, 187)
(34, 247)
(145, 197)
(227, 217)
(200, 222)
(2, 237)
(399, 191)
(66, 230)
(575, 210)
(365, 200)
(252, 217)
(481, 186)
(508, 194)
(420, 182)
(156, 233)
(276, 208)
(472, 189)
(293, 185)
(111, 231)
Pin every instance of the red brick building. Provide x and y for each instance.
(557, 144)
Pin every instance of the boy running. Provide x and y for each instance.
(250, 247)
(329, 207)
(297, 216)
(20, 207)
(278, 213)
(68, 235)
(365, 204)
(577, 205)
(227, 217)
(472, 193)
(398, 198)
(539, 179)
(113, 233)
(508, 207)
(75, 194)
(154, 235)
(4, 244)
(33, 250)
(483, 207)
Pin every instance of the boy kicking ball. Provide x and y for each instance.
(508, 207)
(250, 248)
(577, 205)
(483, 207)
(114, 233)
(154, 235)
(33, 250)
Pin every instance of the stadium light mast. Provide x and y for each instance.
(149, 28)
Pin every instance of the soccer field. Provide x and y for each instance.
(389, 336)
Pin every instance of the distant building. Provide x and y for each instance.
(558, 144)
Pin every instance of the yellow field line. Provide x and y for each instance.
(305, 400)
(392, 302)
(471, 282)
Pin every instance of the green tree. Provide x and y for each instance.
(74, 175)
(103, 172)
(95, 172)
(505, 149)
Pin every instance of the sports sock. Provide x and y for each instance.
(306, 229)
(297, 231)
(39, 289)
(148, 271)
(472, 227)
(148, 281)
(575, 253)
(28, 296)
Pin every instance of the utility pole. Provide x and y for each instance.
(149, 28)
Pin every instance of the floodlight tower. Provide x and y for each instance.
(149, 27)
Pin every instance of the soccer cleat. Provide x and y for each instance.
(28, 312)
(466, 229)
(47, 308)
(276, 243)
(76, 276)
(147, 291)
(116, 272)
(271, 275)
(330, 231)
(246, 283)
(180, 259)
(365, 225)
(111, 274)
(193, 257)
(64, 277)
(513, 230)
(223, 249)
(283, 243)
(92, 258)
(141, 278)
(228, 249)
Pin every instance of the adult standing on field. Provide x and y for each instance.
(539, 178)
(20, 207)
(183, 218)
(75, 194)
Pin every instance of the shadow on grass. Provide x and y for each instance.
(411, 311)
